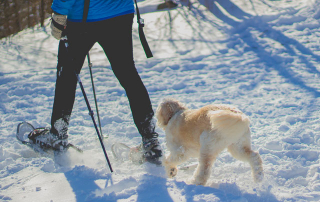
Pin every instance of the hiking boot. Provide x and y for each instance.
(149, 150)
(43, 138)
(152, 150)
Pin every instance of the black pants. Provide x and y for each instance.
(115, 37)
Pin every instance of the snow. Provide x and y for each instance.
(259, 55)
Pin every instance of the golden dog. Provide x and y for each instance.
(203, 133)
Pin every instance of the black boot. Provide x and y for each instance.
(152, 149)
(150, 146)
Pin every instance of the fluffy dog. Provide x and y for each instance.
(203, 133)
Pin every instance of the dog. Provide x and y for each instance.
(204, 133)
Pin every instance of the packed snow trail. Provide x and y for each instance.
(261, 55)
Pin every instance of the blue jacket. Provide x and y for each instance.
(98, 10)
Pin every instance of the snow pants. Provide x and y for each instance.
(115, 37)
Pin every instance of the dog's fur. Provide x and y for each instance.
(203, 133)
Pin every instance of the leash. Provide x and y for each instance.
(142, 37)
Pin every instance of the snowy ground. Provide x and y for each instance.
(260, 55)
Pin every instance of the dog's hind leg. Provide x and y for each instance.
(203, 171)
(210, 149)
(243, 152)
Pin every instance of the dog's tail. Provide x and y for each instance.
(229, 123)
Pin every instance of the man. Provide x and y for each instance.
(109, 23)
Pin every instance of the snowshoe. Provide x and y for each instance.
(123, 152)
(40, 139)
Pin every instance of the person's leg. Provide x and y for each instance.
(69, 61)
(117, 44)
(116, 41)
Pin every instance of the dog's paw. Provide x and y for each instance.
(190, 180)
(258, 174)
(258, 177)
(196, 181)
(173, 172)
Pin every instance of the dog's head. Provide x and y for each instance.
(166, 110)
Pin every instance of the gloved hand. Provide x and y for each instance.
(58, 24)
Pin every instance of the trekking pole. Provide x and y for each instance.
(94, 122)
(94, 94)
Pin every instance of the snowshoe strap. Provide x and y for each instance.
(36, 132)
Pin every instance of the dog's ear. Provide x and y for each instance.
(166, 110)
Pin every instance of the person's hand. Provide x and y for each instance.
(58, 25)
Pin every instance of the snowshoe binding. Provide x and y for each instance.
(43, 138)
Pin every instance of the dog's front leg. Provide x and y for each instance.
(170, 166)
(171, 163)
